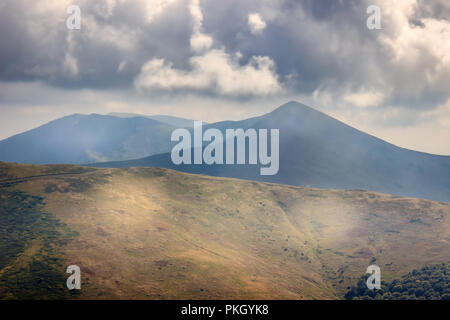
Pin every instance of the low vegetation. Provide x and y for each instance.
(428, 283)
(149, 233)
(31, 266)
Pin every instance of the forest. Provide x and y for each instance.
(429, 283)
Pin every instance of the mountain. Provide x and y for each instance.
(80, 139)
(171, 120)
(152, 233)
(319, 151)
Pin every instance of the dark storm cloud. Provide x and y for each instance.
(301, 37)
(125, 35)
(167, 35)
(436, 9)
(18, 47)
(320, 48)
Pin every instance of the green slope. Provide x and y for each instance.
(150, 233)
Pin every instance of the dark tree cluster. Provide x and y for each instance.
(429, 283)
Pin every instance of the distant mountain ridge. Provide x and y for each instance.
(319, 151)
(170, 120)
(316, 150)
(78, 139)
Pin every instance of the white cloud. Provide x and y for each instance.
(414, 50)
(200, 42)
(256, 23)
(70, 66)
(215, 71)
(70, 63)
(197, 14)
(211, 70)
(364, 98)
(153, 8)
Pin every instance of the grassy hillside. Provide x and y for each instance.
(150, 233)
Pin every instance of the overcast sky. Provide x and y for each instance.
(231, 59)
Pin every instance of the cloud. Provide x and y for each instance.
(71, 66)
(418, 56)
(199, 41)
(441, 114)
(256, 23)
(212, 71)
(317, 47)
(216, 72)
(153, 8)
(319, 51)
(364, 98)
(39, 47)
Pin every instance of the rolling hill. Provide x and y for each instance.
(319, 151)
(152, 233)
(78, 139)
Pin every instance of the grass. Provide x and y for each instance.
(31, 267)
(149, 233)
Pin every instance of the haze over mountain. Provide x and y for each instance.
(315, 150)
(319, 151)
(80, 139)
(171, 120)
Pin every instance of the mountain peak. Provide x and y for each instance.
(295, 106)
(294, 111)
(292, 104)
